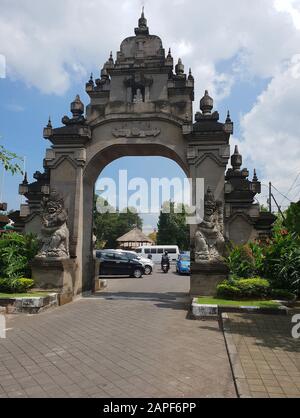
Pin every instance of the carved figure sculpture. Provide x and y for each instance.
(209, 238)
(138, 98)
(54, 239)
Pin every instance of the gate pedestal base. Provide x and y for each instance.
(57, 275)
(206, 276)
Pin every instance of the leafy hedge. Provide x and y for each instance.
(16, 252)
(239, 289)
(278, 261)
(244, 289)
(281, 294)
(282, 262)
(245, 260)
(16, 285)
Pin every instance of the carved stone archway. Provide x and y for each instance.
(106, 152)
(139, 106)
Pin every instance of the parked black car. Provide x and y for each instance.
(114, 263)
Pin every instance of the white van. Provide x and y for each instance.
(157, 251)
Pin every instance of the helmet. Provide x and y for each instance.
(166, 253)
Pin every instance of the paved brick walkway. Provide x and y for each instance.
(132, 341)
(265, 357)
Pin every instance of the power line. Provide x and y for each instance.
(296, 197)
(296, 192)
(295, 187)
(285, 197)
(291, 188)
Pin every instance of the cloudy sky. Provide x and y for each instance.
(247, 54)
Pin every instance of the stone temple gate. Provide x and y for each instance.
(140, 106)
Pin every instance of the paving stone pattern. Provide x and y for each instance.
(265, 357)
(133, 340)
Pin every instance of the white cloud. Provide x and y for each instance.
(13, 107)
(48, 44)
(2, 66)
(292, 7)
(271, 130)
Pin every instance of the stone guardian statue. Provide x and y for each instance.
(209, 239)
(54, 238)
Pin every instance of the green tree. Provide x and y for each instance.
(172, 227)
(167, 227)
(9, 161)
(183, 230)
(153, 237)
(127, 220)
(16, 252)
(108, 227)
(292, 218)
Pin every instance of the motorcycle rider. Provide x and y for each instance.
(165, 260)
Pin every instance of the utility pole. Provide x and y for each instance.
(278, 207)
(270, 197)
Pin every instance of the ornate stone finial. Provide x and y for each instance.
(90, 84)
(25, 181)
(48, 129)
(77, 107)
(23, 187)
(190, 77)
(236, 159)
(206, 104)
(142, 28)
(255, 178)
(228, 126)
(169, 59)
(179, 68)
(104, 73)
(228, 119)
(110, 62)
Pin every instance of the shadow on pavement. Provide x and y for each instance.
(169, 300)
(272, 331)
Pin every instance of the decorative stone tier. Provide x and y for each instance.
(206, 276)
(57, 275)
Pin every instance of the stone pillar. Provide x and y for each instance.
(64, 163)
(243, 219)
(208, 154)
(87, 237)
(66, 167)
(57, 276)
(205, 278)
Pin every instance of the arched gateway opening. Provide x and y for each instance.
(140, 106)
(113, 150)
(101, 159)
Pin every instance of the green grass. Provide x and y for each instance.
(22, 295)
(224, 302)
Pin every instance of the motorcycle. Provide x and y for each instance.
(165, 268)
